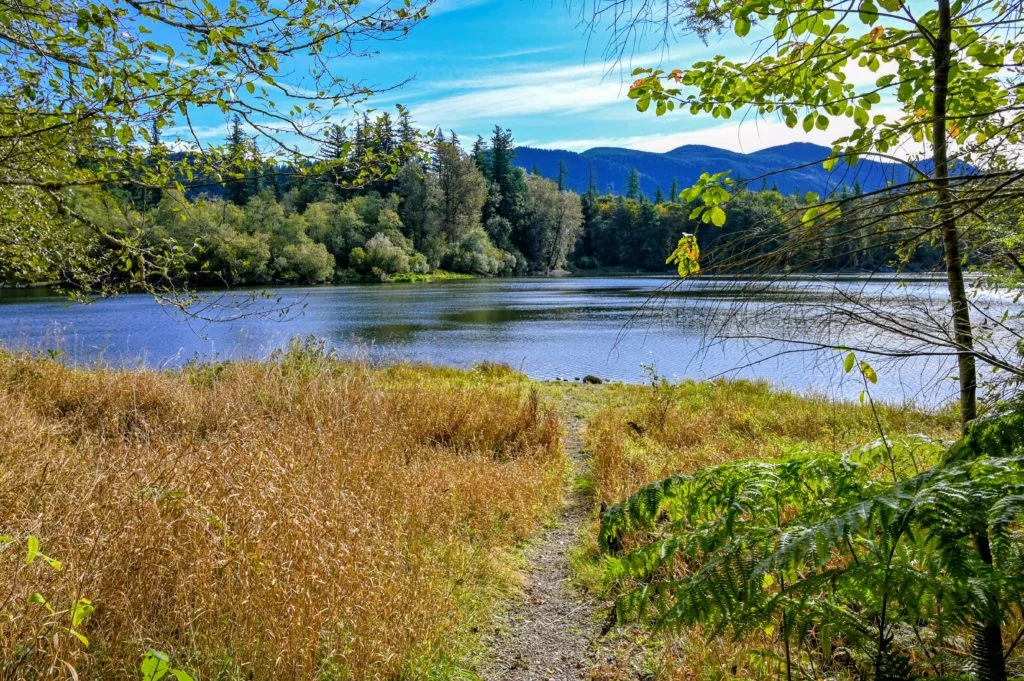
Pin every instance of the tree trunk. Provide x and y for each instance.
(962, 334)
(987, 641)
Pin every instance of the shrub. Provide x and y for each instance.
(475, 254)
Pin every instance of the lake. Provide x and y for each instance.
(557, 328)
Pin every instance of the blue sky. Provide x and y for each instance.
(529, 65)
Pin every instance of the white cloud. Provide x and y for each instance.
(525, 52)
(521, 100)
(560, 90)
(448, 6)
(744, 137)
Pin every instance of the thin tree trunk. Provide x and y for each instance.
(962, 333)
(987, 641)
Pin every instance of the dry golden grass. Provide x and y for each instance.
(648, 433)
(642, 434)
(303, 519)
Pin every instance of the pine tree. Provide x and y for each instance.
(479, 155)
(435, 155)
(505, 175)
(384, 135)
(237, 143)
(633, 185)
(563, 172)
(154, 134)
(336, 146)
(674, 192)
(408, 139)
(659, 197)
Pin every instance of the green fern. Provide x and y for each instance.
(874, 551)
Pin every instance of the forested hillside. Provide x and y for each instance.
(390, 202)
(790, 169)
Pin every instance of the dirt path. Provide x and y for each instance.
(550, 634)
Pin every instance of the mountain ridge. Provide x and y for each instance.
(791, 168)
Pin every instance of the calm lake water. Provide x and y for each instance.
(547, 328)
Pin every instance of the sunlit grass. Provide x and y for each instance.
(299, 519)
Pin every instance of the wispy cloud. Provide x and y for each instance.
(525, 52)
(448, 6)
(560, 90)
(744, 137)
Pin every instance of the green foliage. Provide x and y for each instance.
(864, 562)
(157, 665)
(92, 87)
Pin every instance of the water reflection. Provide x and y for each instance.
(549, 328)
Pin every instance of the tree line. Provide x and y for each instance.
(391, 202)
(386, 201)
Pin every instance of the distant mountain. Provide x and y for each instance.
(610, 167)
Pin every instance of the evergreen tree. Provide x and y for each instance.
(659, 197)
(563, 172)
(438, 141)
(674, 192)
(633, 185)
(239, 185)
(505, 175)
(408, 138)
(154, 135)
(336, 146)
(479, 154)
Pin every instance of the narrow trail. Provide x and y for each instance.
(550, 634)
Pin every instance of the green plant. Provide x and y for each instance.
(662, 396)
(79, 611)
(880, 563)
(156, 665)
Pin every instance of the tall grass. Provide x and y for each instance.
(647, 433)
(299, 519)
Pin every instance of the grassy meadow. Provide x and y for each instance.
(313, 518)
(304, 518)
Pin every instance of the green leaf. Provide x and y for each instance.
(686, 256)
(742, 26)
(154, 666)
(83, 608)
(868, 12)
(781, 28)
(848, 362)
(250, 87)
(33, 549)
(869, 372)
(717, 216)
